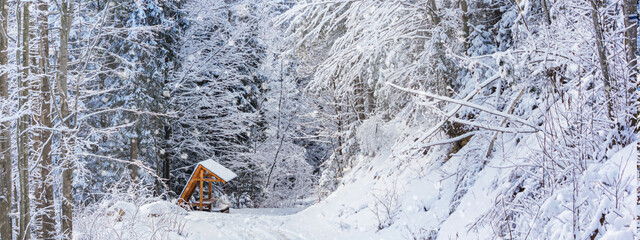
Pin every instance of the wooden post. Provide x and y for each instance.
(210, 187)
(201, 186)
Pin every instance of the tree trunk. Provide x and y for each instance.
(631, 43)
(166, 167)
(134, 158)
(371, 99)
(545, 9)
(433, 11)
(66, 17)
(338, 150)
(6, 223)
(44, 192)
(465, 23)
(604, 64)
(358, 106)
(23, 133)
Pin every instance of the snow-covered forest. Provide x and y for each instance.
(329, 119)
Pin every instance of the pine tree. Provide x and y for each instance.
(138, 56)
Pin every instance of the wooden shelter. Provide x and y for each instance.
(205, 174)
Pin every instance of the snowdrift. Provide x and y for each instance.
(397, 194)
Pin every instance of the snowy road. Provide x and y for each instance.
(242, 224)
(165, 220)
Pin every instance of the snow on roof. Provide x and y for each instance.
(218, 169)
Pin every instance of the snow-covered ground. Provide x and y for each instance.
(395, 196)
(287, 223)
(419, 203)
(242, 224)
(395, 193)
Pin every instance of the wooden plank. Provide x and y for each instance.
(191, 185)
(201, 186)
(206, 180)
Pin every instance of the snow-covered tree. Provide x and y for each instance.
(350, 50)
(133, 53)
(289, 150)
(213, 96)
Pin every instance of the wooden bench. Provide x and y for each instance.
(207, 204)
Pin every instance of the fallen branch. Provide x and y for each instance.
(467, 104)
(497, 129)
(137, 163)
(450, 114)
(509, 111)
(450, 140)
(523, 19)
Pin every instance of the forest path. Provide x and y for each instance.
(258, 223)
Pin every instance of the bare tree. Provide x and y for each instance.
(133, 167)
(631, 44)
(5, 136)
(545, 9)
(66, 17)
(631, 35)
(602, 55)
(23, 126)
(44, 190)
(466, 32)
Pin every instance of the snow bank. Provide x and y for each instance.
(122, 211)
(126, 220)
(161, 208)
(396, 193)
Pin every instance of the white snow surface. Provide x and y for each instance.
(161, 208)
(416, 197)
(218, 169)
(394, 193)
